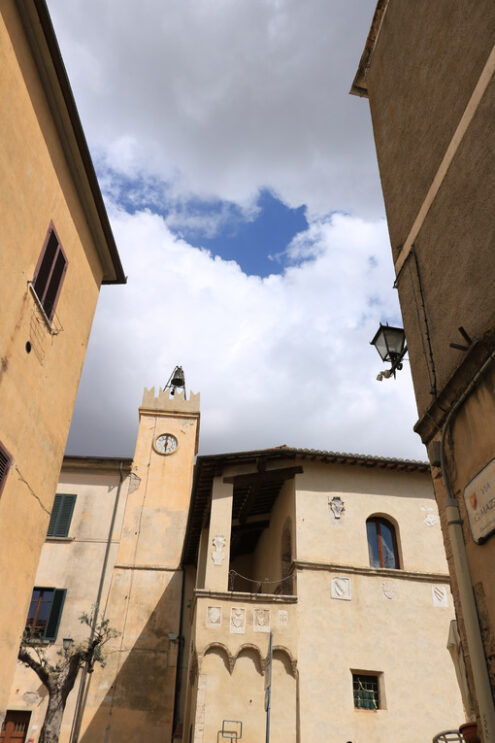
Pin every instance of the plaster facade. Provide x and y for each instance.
(340, 617)
(46, 180)
(428, 70)
(200, 572)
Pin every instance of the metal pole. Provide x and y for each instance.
(268, 687)
(76, 723)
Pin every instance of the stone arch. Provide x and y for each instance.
(222, 651)
(247, 649)
(284, 653)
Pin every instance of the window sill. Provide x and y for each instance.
(49, 323)
(59, 539)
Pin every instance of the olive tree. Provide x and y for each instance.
(59, 677)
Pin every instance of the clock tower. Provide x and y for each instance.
(132, 698)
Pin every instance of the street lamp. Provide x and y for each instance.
(390, 342)
(67, 643)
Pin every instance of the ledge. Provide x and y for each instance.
(59, 539)
(253, 598)
(376, 572)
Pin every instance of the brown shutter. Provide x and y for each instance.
(5, 462)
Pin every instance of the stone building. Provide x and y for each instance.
(337, 557)
(428, 72)
(57, 249)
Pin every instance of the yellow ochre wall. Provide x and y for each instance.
(37, 389)
(133, 696)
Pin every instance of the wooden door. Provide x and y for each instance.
(15, 727)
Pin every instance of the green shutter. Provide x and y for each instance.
(61, 517)
(51, 628)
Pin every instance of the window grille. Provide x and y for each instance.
(365, 689)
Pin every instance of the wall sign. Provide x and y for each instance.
(479, 497)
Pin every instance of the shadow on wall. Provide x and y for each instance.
(132, 697)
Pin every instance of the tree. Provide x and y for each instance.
(59, 679)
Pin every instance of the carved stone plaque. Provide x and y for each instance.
(340, 588)
(218, 553)
(389, 590)
(261, 620)
(283, 617)
(214, 616)
(336, 506)
(238, 620)
(440, 597)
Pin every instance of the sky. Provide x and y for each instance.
(241, 182)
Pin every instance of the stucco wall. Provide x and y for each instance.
(406, 499)
(74, 564)
(424, 68)
(38, 389)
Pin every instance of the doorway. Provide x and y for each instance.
(15, 727)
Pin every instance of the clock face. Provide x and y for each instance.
(165, 443)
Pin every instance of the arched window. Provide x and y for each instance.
(382, 543)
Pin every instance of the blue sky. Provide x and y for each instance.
(256, 237)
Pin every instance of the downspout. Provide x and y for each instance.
(180, 653)
(76, 723)
(466, 595)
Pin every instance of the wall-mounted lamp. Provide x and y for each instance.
(390, 343)
(67, 643)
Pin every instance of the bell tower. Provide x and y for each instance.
(132, 698)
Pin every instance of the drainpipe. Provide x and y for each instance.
(466, 595)
(180, 656)
(76, 723)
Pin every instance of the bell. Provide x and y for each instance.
(178, 379)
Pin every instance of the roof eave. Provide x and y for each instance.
(359, 85)
(46, 52)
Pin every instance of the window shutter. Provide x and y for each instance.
(5, 460)
(63, 507)
(51, 628)
(54, 516)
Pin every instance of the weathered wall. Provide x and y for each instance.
(37, 390)
(470, 447)
(74, 563)
(405, 499)
(393, 622)
(133, 696)
(402, 637)
(426, 64)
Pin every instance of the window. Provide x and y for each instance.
(44, 613)
(5, 460)
(63, 507)
(365, 690)
(50, 272)
(382, 543)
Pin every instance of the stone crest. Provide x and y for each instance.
(214, 616)
(238, 620)
(218, 553)
(440, 597)
(340, 588)
(261, 620)
(389, 590)
(336, 506)
(283, 617)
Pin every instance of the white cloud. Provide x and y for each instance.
(285, 359)
(220, 98)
